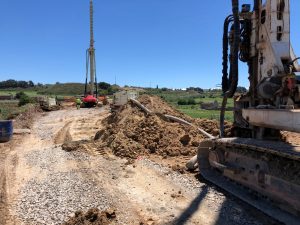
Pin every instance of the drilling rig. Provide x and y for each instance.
(256, 165)
(91, 88)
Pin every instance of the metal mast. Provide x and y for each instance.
(91, 54)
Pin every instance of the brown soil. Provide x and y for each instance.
(84, 146)
(212, 126)
(157, 105)
(4, 149)
(291, 137)
(131, 133)
(23, 120)
(73, 145)
(92, 217)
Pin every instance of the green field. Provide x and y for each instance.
(194, 111)
(10, 109)
(208, 114)
(30, 93)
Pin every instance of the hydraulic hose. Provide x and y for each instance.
(234, 67)
(225, 81)
(256, 5)
(233, 77)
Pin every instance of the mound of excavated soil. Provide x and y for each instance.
(131, 133)
(157, 105)
(26, 118)
(212, 126)
(92, 217)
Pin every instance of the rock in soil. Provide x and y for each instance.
(73, 145)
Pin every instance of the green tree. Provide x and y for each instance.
(23, 98)
(104, 85)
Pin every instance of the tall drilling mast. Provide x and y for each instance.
(90, 61)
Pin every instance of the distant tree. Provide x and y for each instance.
(197, 89)
(156, 86)
(30, 83)
(16, 84)
(9, 84)
(22, 84)
(104, 85)
(164, 89)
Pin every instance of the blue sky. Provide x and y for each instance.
(172, 43)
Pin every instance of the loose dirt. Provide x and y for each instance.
(92, 217)
(21, 121)
(131, 133)
(25, 119)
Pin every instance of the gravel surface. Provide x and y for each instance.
(229, 208)
(51, 156)
(52, 200)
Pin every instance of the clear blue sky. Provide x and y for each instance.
(172, 43)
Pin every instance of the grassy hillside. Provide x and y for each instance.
(67, 89)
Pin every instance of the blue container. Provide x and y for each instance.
(6, 130)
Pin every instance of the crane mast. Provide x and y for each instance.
(91, 87)
(92, 49)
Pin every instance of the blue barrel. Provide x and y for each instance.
(6, 130)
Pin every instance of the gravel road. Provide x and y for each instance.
(48, 184)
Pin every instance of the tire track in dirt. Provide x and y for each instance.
(8, 162)
(3, 197)
(63, 135)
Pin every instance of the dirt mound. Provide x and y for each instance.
(131, 133)
(26, 118)
(92, 217)
(70, 146)
(157, 105)
(212, 126)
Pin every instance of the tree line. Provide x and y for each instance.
(16, 84)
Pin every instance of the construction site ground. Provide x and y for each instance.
(42, 183)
